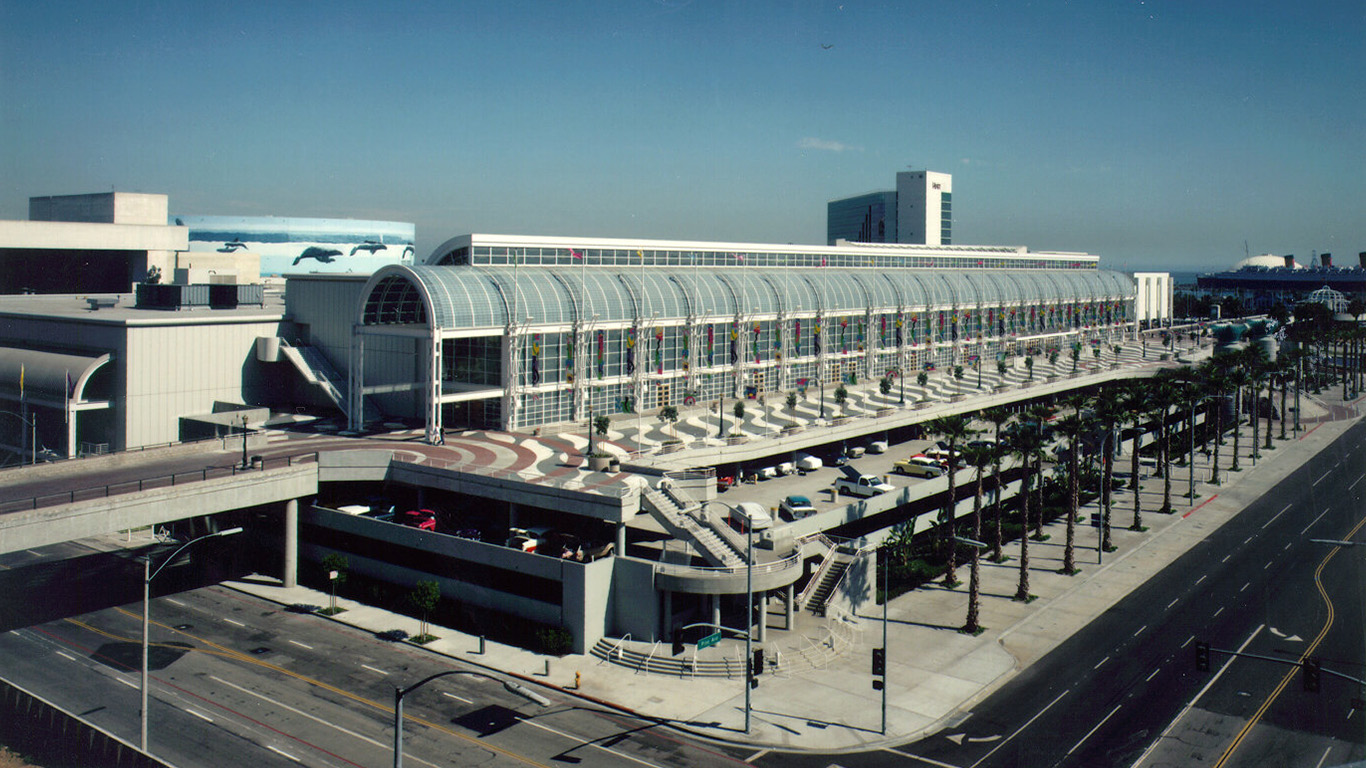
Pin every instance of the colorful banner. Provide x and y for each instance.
(734, 343)
(602, 354)
(711, 345)
(535, 359)
(630, 351)
(816, 337)
(659, 350)
(797, 338)
(569, 343)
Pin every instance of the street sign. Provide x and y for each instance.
(709, 640)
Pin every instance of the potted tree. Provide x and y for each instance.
(600, 460)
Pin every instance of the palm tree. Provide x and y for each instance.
(979, 458)
(1027, 442)
(998, 416)
(1254, 360)
(1039, 414)
(1108, 411)
(1072, 425)
(954, 431)
(1162, 397)
(1237, 379)
(1215, 383)
(1133, 403)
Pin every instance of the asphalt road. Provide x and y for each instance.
(238, 679)
(1111, 692)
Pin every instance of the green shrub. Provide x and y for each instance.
(554, 641)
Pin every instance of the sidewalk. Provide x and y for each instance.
(935, 674)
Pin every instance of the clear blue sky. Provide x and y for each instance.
(1157, 134)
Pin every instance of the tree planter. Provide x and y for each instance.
(599, 463)
(881, 412)
(736, 440)
(671, 447)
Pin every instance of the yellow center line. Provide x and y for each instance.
(226, 652)
(1328, 624)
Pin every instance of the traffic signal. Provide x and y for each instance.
(1311, 669)
(678, 644)
(1202, 656)
(880, 662)
(758, 661)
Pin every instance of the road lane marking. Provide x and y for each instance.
(1226, 557)
(1202, 578)
(1102, 661)
(1245, 586)
(1287, 546)
(1216, 613)
(301, 645)
(66, 655)
(1174, 602)
(1247, 541)
(301, 713)
(199, 715)
(1093, 730)
(235, 623)
(1189, 706)
(1149, 678)
(1354, 483)
(1315, 520)
(1018, 730)
(1268, 564)
(125, 682)
(1319, 764)
(756, 755)
(279, 751)
(1325, 474)
(911, 755)
(173, 601)
(35, 554)
(1140, 630)
(1273, 517)
(376, 671)
(457, 698)
(585, 742)
(1188, 641)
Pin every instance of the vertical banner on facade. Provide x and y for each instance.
(844, 342)
(816, 337)
(535, 359)
(602, 354)
(755, 344)
(685, 357)
(797, 338)
(659, 349)
(734, 343)
(569, 344)
(630, 351)
(711, 345)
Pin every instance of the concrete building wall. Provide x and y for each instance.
(101, 207)
(1154, 296)
(181, 370)
(635, 604)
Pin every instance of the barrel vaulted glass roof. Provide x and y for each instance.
(468, 297)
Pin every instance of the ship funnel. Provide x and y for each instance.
(1290, 261)
(1326, 259)
(1361, 257)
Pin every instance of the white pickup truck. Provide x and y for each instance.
(862, 485)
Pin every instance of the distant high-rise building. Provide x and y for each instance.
(919, 211)
(869, 218)
(924, 207)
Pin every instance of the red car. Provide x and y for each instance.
(723, 482)
(417, 518)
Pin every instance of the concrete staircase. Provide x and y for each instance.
(819, 598)
(677, 513)
(316, 370)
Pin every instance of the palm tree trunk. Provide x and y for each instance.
(1022, 591)
(1038, 497)
(946, 528)
(1107, 478)
(1218, 438)
(1069, 564)
(1134, 466)
(974, 583)
(1237, 425)
(1166, 450)
(996, 554)
(1285, 386)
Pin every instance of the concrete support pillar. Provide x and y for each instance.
(514, 516)
(789, 612)
(422, 497)
(621, 538)
(291, 560)
(668, 615)
(716, 610)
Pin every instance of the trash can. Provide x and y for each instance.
(256, 462)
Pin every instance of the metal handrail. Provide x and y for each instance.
(148, 483)
(556, 481)
(730, 570)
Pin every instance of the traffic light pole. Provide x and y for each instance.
(749, 613)
(886, 598)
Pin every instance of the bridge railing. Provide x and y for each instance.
(89, 493)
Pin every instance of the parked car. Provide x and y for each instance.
(786, 468)
(796, 507)
(943, 456)
(805, 462)
(724, 482)
(749, 514)
(919, 465)
(528, 539)
(854, 452)
(767, 473)
(877, 446)
(862, 485)
(981, 443)
(417, 518)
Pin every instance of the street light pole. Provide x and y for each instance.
(399, 693)
(749, 613)
(147, 575)
(244, 441)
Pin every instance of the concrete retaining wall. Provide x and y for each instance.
(53, 736)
